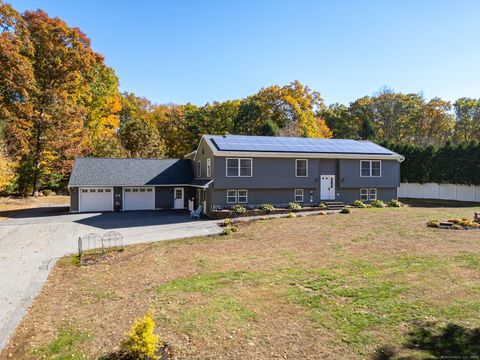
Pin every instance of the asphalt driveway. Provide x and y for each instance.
(31, 242)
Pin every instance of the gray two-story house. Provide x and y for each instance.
(236, 169)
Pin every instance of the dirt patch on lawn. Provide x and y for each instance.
(12, 206)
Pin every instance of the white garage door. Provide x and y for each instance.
(138, 198)
(96, 199)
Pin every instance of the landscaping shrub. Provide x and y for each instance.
(345, 211)
(464, 222)
(395, 203)
(292, 215)
(267, 208)
(378, 204)
(294, 206)
(359, 204)
(322, 205)
(239, 209)
(233, 228)
(433, 223)
(226, 232)
(48, 192)
(142, 342)
(227, 222)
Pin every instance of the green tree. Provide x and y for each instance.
(367, 132)
(467, 125)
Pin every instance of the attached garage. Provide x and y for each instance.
(138, 198)
(96, 199)
(102, 184)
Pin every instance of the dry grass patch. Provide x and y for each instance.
(11, 206)
(330, 287)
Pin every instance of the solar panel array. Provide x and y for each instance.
(293, 144)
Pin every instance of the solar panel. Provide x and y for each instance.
(293, 144)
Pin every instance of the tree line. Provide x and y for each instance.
(59, 100)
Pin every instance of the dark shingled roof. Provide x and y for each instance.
(130, 172)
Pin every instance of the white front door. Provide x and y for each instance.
(96, 199)
(178, 202)
(138, 198)
(327, 187)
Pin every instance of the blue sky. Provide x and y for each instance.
(202, 51)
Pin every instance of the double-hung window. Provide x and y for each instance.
(209, 167)
(301, 167)
(199, 169)
(237, 196)
(298, 195)
(370, 168)
(368, 194)
(231, 196)
(242, 196)
(239, 167)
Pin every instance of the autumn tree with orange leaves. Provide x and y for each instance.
(58, 100)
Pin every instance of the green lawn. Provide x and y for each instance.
(376, 283)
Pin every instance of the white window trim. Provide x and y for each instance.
(246, 196)
(236, 196)
(361, 194)
(370, 168)
(209, 167)
(368, 194)
(199, 168)
(296, 167)
(238, 172)
(295, 195)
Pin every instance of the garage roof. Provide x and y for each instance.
(130, 172)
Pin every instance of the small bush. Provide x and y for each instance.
(378, 204)
(294, 206)
(233, 228)
(142, 342)
(464, 222)
(292, 215)
(322, 213)
(239, 209)
(267, 208)
(322, 205)
(227, 222)
(226, 232)
(48, 192)
(433, 223)
(359, 204)
(457, 227)
(345, 211)
(395, 203)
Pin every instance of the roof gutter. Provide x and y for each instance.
(397, 157)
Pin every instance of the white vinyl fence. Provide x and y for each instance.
(440, 191)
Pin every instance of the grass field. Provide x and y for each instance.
(374, 284)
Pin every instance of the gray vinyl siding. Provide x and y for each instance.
(268, 173)
(271, 173)
(74, 194)
(118, 198)
(203, 153)
(163, 197)
(349, 174)
(349, 195)
(276, 197)
(281, 197)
